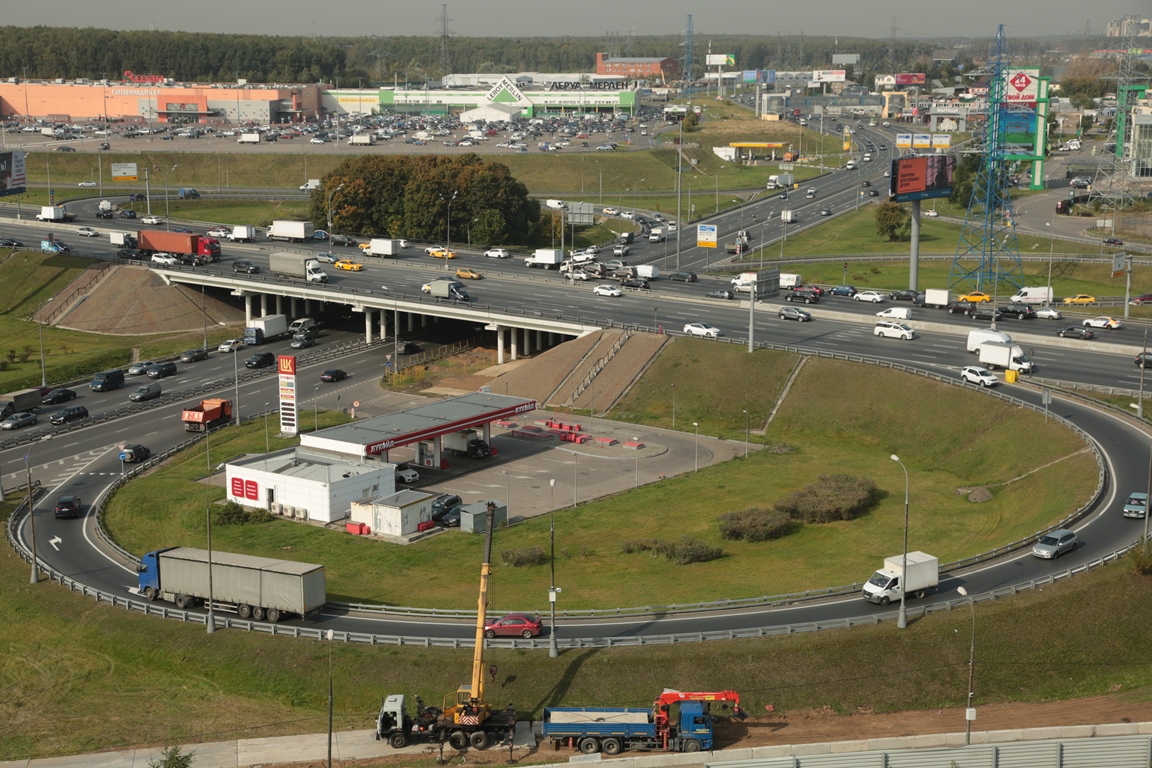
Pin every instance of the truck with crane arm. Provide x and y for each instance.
(470, 720)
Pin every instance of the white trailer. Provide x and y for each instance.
(293, 231)
(248, 138)
(937, 297)
(547, 258)
(382, 247)
(243, 234)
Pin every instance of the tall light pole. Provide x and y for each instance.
(634, 190)
(330, 635)
(32, 515)
(210, 623)
(673, 406)
(40, 322)
(902, 617)
(553, 651)
(236, 383)
(679, 192)
(636, 467)
(470, 231)
(330, 195)
(970, 711)
(167, 222)
(1051, 250)
(448, 247)
(696, 424)
(746, 434)
(267, 449)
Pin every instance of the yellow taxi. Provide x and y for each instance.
(467, 273)
(1080, 298)
(975, 297)
(441, 253)
(349, 265)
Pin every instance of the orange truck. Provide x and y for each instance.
(210, 412)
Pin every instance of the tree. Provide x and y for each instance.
(172, 757)
(691, 121)
(893, 221)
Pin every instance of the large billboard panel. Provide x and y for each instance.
(921, 141)
(921, 178)
(911, 78)
(904, 141)
(751, 76)
(13, 179)
(1019, 127)
(124, 172)
(720, 60)
(1021, 86)
(829, 75)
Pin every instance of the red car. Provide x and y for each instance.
(524, 625)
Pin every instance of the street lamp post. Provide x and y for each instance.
(40, 322)
(167, 223)
(448, 246)
(470, 231)
(902, 617)
(330, 195)
(696, 424)
(746, 418)
(636, 466)
(330, 634)
(32, 516)
(673, 406)
(970, 711)
(553, 651)
(634, 190)
(267, 449)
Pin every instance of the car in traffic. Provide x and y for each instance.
(467, 273)
(607, 290)
(8, 242)
(974, 374)
(128, 213)
(875, 192)
(702, 329)
(194, 355)
(87, 232)
(525, 625)
(145, 392)
(161, 370)
(1101, 321)
(87, 184)
(931, 213)
(244, 266)
(985, 313)
(825, 211)
(635, 282)
(794, 313)
(610, 211)
(140, 368)
(873, 296)
(67, 414)
(682, 277)
(442, 253)
(1018, 311)
(1080, 298)
(303, 341)
(18, 421)
(68, 506)
(621, 250)
(231, 345)
(1113, 241)
(134, 453)
(1137, 505)
(1052, 545)
(65, 149)
(333, 375)
(720, 293)
(1144, 298)
(218, 232)
(904, 294)
(802, 295)
(151, 220)
(578, 274)
(165, 259)
(974, 297)
(888, 329)
(1048, 313)
(343, 240)
(57, 396)
(1076, 332)
(260, 360)
(842, 290)
(497, 253)
(348, 265)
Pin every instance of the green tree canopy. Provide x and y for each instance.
(893, 221)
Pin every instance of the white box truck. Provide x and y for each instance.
(382, 247)
(656, 235)
(264, 329)
(1033, 295)
(248, 138)
(995, 354)
(936, 297)
(648, 271)
(744, 281)
(467, 443)
(362, 139)
(448, 289)
(788, 217)
(293, 231)
(546, 258)
(122, 239)
(296, 265)
(54, 213)
(790, 280)
(980, 336)
(242, 234)
(889, 582)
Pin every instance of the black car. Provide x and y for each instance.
(342, 240)
(160, 370)
(843, 290)
(127, 214)
(1018, 311)
(1113, 241)
(303, 341)
(128, 254)
(71, 413)
(904, 294)
(808, 297)
(65, 149)
(134, 453)
(245, 266)
(260, 360)
(451, 518)
(104, 214)
(407, 348)
(7, 242)
(873, 193)
(635, 282)
(985, 313)
(961, 307)
(68, 506)
(1080, 332)
(333, 374)
(1140, 360)
(722, 293)
(57, 396)
(443, 504)
(684, 277)
(192, 355)
(865, 183)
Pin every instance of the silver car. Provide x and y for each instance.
(1052, 545)
(1136, 505)
(17, 420)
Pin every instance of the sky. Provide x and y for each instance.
(587, 18)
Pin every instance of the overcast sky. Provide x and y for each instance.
(548, 18)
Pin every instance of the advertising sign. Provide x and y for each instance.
(941, 141)
(720, 60)
(751, 76)
(12, 173)
(911, 78)
(921, 178)
(828, 75)
(1021, 86)
(921, 141)
(904, 140)
(289, 404)
(706, 236)
(124, 172)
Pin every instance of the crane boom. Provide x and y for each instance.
(482, 608)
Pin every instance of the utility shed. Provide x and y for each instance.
(474, 517)
(399, 514)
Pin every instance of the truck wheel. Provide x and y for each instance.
(612, 746)
(478, 740)
(257, 613)
(245, 611)
(920, 594)
(458, 740)
(884, 600)
(589, 745)
(397, 741)
(273, 615)
(182, 601)
(691, 745)
(149, 593)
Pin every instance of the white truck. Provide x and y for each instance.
(978, 337)
(248, 138)
(362, 139)
(998, 354)
(546, 258)
(1031, 294)
(467, 443)
(887, 584)
(382, 247)
(788, 217)
(557, 205)
(448, 289)
(122, 239)
(244, 234)
(311, 184)
(790, 280)
(648, 271)
(105, 205)
(264, 329)
(292, 231)
(781, 181)
(656, 235)
(54, 213)
(744, 281)
(936, 297)
(296, 265)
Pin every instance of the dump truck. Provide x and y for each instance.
(242, 234)
(179, 244)
(18, 402)
(292, 231)
(548, 258)
(296, 265)
(264, 329)
(466, 443)
(210, 413)
(886, 584)
(55, 213)
(252, 587)
(382, 247)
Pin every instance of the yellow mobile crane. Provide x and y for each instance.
(469, 721)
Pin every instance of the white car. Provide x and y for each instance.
(316, 140)
(871, 296)
(232, 345)
(627, 215)
(974, 374)
(407, 476)
(87, 184)
(582, 257)
(702, 329)
(890, 330)
(165, 259)
(620, 251)
(578, 274)
(611, 212)
(87, 232)
(931, 213)
(1103, 321)
(497, 253)
(433, 249)
(151, 220)
(607, 290)
(219, 232)
(1048, 313)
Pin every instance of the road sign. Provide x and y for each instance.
(1119, 263)
(123, 456)
(706, 236)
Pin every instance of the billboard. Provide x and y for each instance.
(921, 178)
(124, 172)
(828, 75)
(911, 78)
(751, 76)
(921, 141)
(1019, 130)
(904, 141)
(1021, 86)
(720, 60)
(13, 180)
(706, 236)
(289, 403)
(941, 141)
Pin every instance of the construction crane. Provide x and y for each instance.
(663, 706)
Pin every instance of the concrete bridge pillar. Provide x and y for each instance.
(279, 304)
(513, 332)
(307, 307)
(367, 326)
(411, 322)
(295, 309)
(247, 309)
(263, 305)
(499, 345)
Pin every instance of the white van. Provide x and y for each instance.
(896, 313)
(893, 330)
(984, 335)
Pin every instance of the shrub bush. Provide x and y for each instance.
(832, 497)
(1140, 556)
(686, 551)
(523, 558)
(755, 524)
(231, 513)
